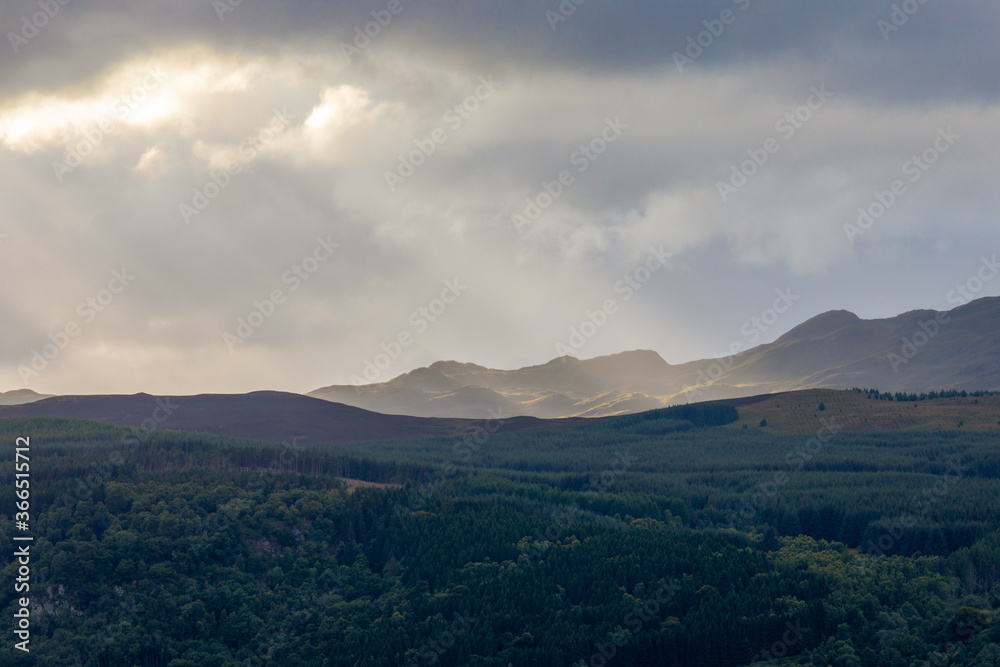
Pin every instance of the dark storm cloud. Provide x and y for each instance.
(228, 66)
(911, 55)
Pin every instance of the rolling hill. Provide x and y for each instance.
(264, 415)
(20, 397)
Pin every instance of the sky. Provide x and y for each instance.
(228, 196)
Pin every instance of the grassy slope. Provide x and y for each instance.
(798, 412)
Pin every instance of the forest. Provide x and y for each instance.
(682, 536)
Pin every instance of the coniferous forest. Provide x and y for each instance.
(683, 536)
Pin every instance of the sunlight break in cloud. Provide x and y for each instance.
(138, 94)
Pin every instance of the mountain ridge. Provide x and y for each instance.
(919, 350)
(263, 415)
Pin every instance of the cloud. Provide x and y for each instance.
(477, 111)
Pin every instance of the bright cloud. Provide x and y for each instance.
(162, 116)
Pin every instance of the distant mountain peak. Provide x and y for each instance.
(563, 360)
(20, 392)
(821, 325)
(447, 366)
(21, 397)
(644, 356)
